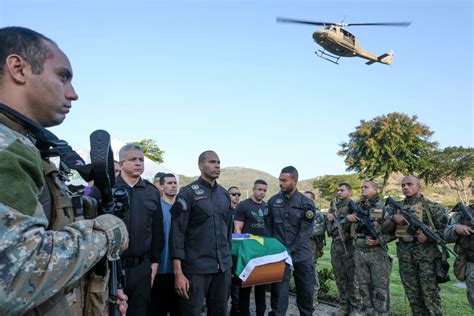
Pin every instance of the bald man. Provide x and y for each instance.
(417, 254)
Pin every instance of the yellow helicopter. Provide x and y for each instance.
(341, 43)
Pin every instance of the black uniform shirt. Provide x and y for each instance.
(201, 228)
(144, 220)
(291, 220)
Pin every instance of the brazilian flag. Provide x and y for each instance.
(250, 251)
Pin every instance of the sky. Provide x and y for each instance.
(223, 75)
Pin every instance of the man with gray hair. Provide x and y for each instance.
(200, 241)
(144, 221)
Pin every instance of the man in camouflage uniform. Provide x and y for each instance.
(317, 242)
(342, 249)
(372, 263)
(417, 254)
(42, 270)
(461, 232)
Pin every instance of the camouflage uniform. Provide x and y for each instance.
(37, 264)
(342, 256)
(317, 237)
(464, 247)
(372, 263)
(417, 260)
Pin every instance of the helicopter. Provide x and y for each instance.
(341, 43)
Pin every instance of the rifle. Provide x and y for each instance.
(337, 223)
(461, 209)
(367, 222)
(113, 202)
(415, 224)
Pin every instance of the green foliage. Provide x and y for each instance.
(325, 275)
(327, 185)
(151, 149)
(386, 144)
(453, 166)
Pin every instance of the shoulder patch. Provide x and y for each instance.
(184, 204)
(21, 177)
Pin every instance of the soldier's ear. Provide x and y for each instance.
(17, 68)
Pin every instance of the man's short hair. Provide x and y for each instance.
(291, 171)
(232, 187)
(310, 193)
(28, 44)
(125, 149)
(259, 181)
(204, 154)
(345, 184)
(158, 176)
(166, 175)
(372, 183)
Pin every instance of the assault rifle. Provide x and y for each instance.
(461, 208)
(113, 202)
(337, 223)
(366, 221)
(415, 224)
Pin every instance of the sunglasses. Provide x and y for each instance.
(236, 194)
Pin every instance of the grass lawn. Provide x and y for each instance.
(454, 299)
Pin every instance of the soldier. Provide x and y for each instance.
(317, 242)
(342, 249)
(46, 250)
(462, 232)
(200, 241)
(417, 254)
(371, 260)
(290, 220)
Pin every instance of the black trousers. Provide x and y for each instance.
(304, 281)
(137, 287)
(214, 288)
(163, 297)
(260, 300)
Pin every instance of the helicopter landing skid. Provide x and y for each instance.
(322, 54)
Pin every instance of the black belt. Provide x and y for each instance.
(130, 262)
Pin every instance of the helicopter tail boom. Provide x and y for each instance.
(386, 58)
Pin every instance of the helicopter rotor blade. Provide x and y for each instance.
(288, 20)
(378, 24)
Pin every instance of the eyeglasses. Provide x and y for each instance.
(236, 194)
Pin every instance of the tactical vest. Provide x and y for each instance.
(401, 231)
(465, 244)
(62, 208)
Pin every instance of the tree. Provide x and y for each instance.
(453, 166)
(327, 185)
(151, 149)
(386, 144)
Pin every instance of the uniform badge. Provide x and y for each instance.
(309, 215)
(195, 186)
(199, 191)
(279, 201)
(184, 204)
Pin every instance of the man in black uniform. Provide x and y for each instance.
(144, 222)
(200, 241)
(290, 220)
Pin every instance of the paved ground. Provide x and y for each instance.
(320, 309)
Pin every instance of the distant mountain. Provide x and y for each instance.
(244, 178)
